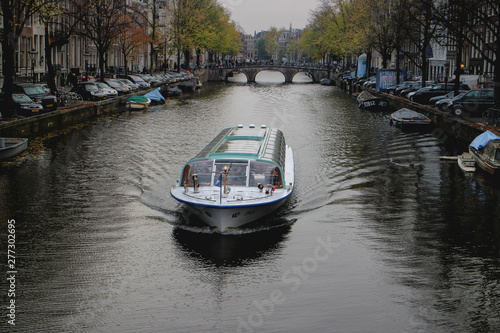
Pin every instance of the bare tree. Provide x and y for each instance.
(422, 32)
(60, 21)
(15, 14)
(102, 24)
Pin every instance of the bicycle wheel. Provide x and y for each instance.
(77, 97)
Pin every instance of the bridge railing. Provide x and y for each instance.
(267, 64)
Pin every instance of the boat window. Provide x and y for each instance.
(201, 168)
(264, 173)
(236, 174)
(489, 151)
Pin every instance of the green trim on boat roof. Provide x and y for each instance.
(264, 144)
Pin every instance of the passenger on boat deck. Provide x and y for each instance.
(276, 176)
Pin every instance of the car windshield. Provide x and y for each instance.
(137, 79)
(91, 87)
(21, 98)
(34, 90)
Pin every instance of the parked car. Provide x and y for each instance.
(473, 103)
(448, 96)
(153, 82)
(110, 92)
(423, 96)
(371, 82)
(121, 88)
(414, 87)
(37, 94)
(89, 91)
(410, 94)
(139, 81)
(394, 90)
(24, 105)
(444, 103)
(133, 86)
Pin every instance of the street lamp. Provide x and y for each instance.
(446, 73)
(33, 55)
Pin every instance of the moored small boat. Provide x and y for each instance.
(466, 162)
(138, 102)
(408, 119)
(373, 103)
(198, 83)
(243, 174)
(327, 82)
(156, 97)
(189, 85)
(10, 147)
(486, 151)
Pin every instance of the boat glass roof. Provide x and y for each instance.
(247, 143)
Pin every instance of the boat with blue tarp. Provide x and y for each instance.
(486, 151)
(242, 175)
(155, 96)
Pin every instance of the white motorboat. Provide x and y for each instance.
(243, 174)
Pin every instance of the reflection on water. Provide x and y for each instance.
(102, 247)
(230, 250)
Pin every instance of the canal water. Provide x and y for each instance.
(380, 234)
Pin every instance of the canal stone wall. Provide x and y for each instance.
(41, 124)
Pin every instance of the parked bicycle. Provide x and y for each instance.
(492, 116)
(66, 97)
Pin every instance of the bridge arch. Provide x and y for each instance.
(289, 72)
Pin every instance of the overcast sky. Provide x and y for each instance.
(257, 15)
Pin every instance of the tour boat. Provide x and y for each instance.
(486, 151)
(10, 147)
(243, 174)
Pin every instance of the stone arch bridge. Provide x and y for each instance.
(222, 74)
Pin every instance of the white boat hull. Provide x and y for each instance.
(10, 147)
(240, 206)
(224, 216)
(137, 106)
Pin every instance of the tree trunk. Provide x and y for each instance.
(424, 65)
(187, 54)
(48, 63)
(458, 69)
(9, 45)
(496, 73)
(178, 59)
(101, 64)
